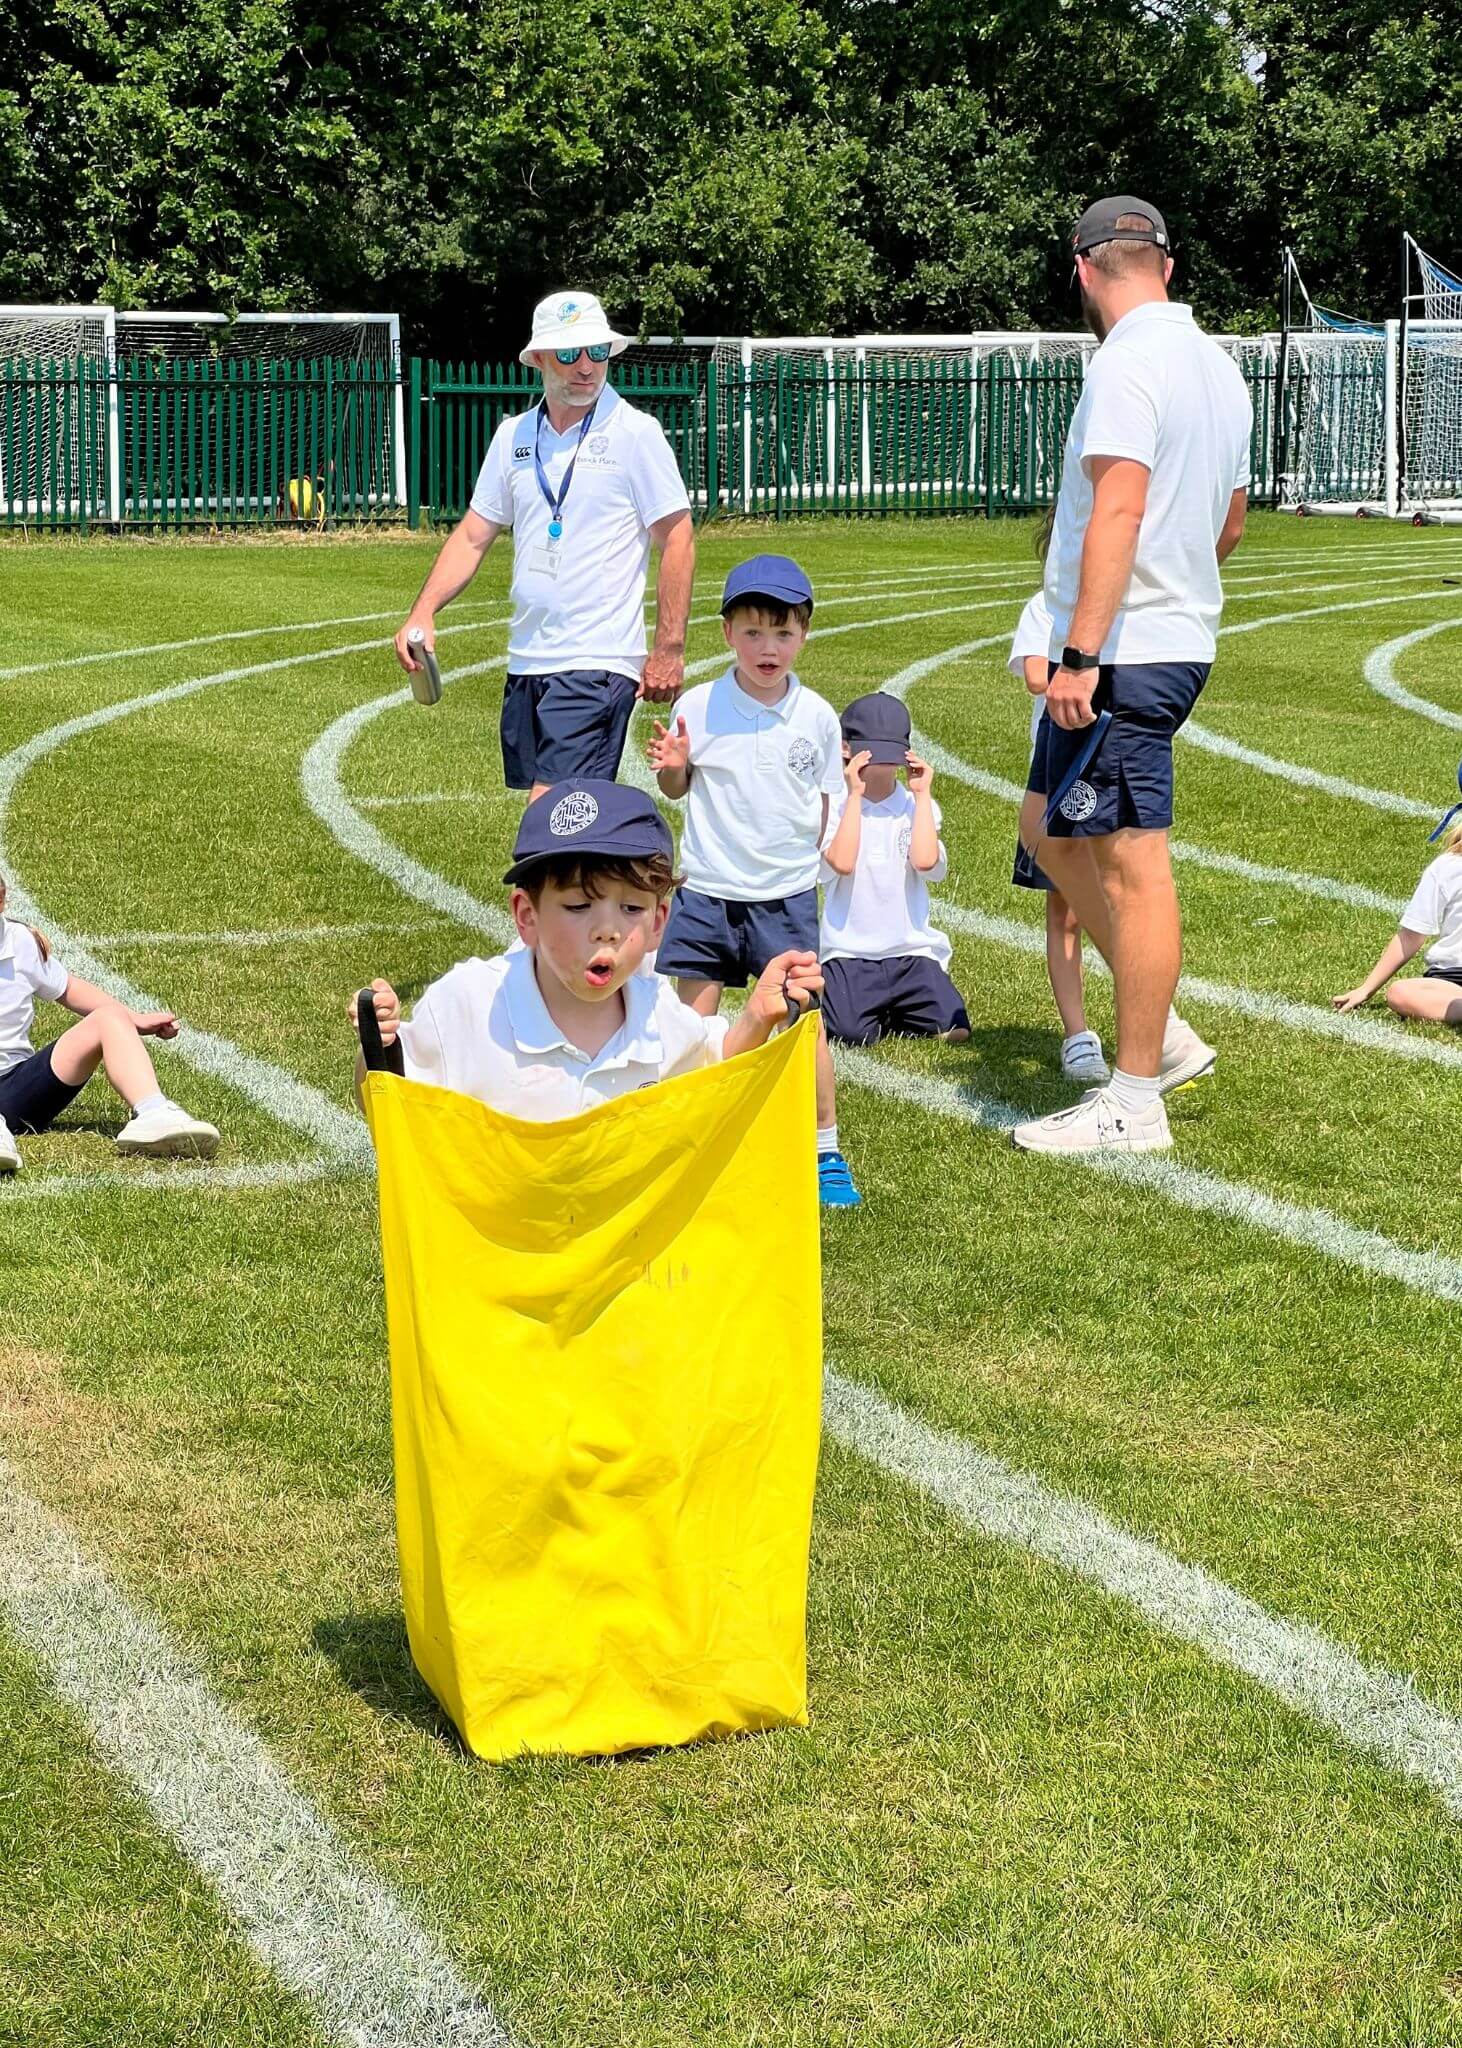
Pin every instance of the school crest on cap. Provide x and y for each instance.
(573, 813)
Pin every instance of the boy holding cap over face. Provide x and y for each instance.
(758, 758)
(886, 968)
(563, 1022)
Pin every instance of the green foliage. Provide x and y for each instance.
(735, 165)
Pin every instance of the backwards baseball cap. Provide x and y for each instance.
(774, 576)
(878, 724)
(589, 819)
(1099, 224)
(571, 320)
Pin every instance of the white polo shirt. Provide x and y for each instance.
(881, 910)
(758, 775)
(1437, 907)
(24, 975)
(590, 612)
(1160, 392)
(484, 1030)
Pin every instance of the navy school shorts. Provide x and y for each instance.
(713, 938)
(1130, 780)
(907, 997)
(1452, 974)
(568, 724)
(31, 1098)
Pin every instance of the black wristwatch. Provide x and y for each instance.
(1074, 658)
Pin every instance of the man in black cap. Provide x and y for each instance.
(1153, 494)
(564, 1022)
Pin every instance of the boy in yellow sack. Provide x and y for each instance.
(565, 1022)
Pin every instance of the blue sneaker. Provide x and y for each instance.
(835, 1182)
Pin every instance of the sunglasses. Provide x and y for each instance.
(598, 353)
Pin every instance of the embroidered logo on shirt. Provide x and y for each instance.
(906, 840)
(522, 454)
(1079, 802)
(573, 813)
(802, 758)
(598, 444)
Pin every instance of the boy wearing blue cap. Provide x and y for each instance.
(564, 1022)
(758, 758)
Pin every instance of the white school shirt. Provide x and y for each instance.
(484, 1030)
(1437, 907)
(591, 613)
(24, 975)
(881, 910)
(759, 773)
(1032, 636)
(1160, 392)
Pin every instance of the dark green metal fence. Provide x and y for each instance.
(242, 443)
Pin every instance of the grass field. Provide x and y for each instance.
(1037, 1805)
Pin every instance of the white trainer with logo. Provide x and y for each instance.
(1082, 1060)
(1185, 1057)
(1098, 1123)
(9, 1150)
(167, 1132)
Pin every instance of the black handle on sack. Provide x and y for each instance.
(379, 1058)
(797, 1011)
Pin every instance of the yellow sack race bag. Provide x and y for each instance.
(606, 1366)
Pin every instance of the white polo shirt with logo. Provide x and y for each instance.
(484, 1030)
(1436, 907)
(881, 910)
(24, 975)
(589, 611)
(758, 775)
(1158, 392)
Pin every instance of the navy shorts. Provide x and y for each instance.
(712, 938)
(31, 1098)
(1129, 781)
(908, 997)
(568, 724)
(1452, 974)
(1027, 872)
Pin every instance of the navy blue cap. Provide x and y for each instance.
(775, 576)
(589, 818)
(879, 724)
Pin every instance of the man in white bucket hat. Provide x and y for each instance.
(587, 484)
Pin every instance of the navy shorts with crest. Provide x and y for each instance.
(1129, 780)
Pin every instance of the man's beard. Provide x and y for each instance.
(1092, 317)
(564, 393)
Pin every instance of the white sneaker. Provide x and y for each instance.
(1098, 1123)
(1185, 1057)
(167, 1133)
(9, 1150)
(1081, 1060)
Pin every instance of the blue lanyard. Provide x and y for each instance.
(556, 504)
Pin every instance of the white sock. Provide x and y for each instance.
(149, 1103)
(1135, 1092)
(827, 1139)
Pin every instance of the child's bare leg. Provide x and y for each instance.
(1063, 962)
(1438, 1001)
(827, 1087)
(106, 1038)
(704, 997)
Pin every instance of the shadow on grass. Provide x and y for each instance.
(372, 1655)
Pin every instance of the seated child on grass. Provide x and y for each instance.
(563, 1022)
(886, 967)
(758, 756)
(36, 1086)
(1435, 912)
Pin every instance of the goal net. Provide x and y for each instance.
(1431, 390)
(54, 414)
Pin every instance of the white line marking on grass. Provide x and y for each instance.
(1304, 778)
(332, 1932)
(1380, 672)
(1188, 1187)
(290, 935)
(1362, 1033)
(35, 668)
(425, 796)
(1368, 1706)
(181, 1176)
